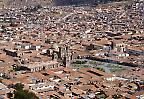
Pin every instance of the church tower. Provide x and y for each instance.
(67, 57)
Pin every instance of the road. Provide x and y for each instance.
(63, 18)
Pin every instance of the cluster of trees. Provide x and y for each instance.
(79, 62)
(32, 8)
(101, 69)
(20, 93)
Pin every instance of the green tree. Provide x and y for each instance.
(18, 86)
(23, 94)
(117, 96)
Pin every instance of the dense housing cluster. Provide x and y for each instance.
(39, 44)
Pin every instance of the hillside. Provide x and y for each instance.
(20, 3)
(80, 2)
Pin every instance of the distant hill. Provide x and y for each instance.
(80, 2)
(21, 3)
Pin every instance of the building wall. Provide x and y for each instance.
(134, 52)
(11, 53)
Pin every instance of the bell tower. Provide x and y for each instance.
(67, 57)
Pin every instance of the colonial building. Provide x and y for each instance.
(42, 66)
